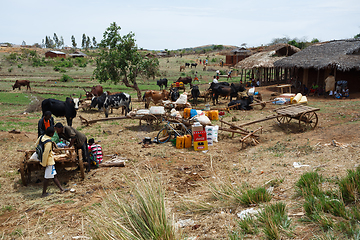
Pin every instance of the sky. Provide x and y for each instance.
(164, 24)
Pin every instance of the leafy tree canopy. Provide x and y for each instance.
(120, 62)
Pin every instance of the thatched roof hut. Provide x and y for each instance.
(262, 63)
(342, 55)
(316, 62)
(268, 56)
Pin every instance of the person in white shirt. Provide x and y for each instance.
(215, 80)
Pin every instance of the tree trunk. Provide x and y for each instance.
(134, 86)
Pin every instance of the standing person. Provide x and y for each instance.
(196, 78)
(330, 84)
(46, 121)
(217, 74)
(76, 139)
(229, 74)
(200, 61)
(48, 161)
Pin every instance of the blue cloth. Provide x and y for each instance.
(193, 113)
(61, 145)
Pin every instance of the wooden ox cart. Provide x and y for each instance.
(64, 157)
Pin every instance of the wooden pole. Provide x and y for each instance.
(257, 121)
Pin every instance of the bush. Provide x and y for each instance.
(19, 65)
(66, 78)
(350, 186)
(136, 214)
(308, 184)
(56, 68)
(254, 196)
(10, 69)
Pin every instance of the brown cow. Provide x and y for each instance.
(155, 96)
(95, 91)
(182, 68)
(20, 83)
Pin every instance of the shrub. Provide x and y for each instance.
(10, 69)
(66, 78)
(19, 65)
(254, 196)
(308, 184)
(56, 68)
(138, 214)
(350, 186)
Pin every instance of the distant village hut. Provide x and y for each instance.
(260, 66)
(314, 64)
(237, 55)
(55, 54)
(77, 54)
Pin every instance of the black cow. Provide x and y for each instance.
(193, 65)
(242, 104)
(106, 101)
(219, 90)
(162, 82)
(195, 93)
(61, 109)
(187, 64)
(235, 88)
(174, 94)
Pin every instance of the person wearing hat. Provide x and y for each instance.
(46, 121)
(76, 139)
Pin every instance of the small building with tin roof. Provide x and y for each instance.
(54, 54)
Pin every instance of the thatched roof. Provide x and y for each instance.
(267, 55)
(259, 60)
(240, 51)
(341, 54)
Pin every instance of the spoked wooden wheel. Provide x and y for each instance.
(283, 119)
(149, 119)
(23, 174)
(81, 164)
(308, 121)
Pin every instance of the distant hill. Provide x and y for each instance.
(208, 47)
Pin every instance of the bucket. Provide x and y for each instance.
(180, 141)
(207, 107)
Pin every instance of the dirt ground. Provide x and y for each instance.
(24, 215)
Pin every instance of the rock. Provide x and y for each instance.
(184, 223)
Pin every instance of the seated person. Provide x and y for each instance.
(314, 88)
(346, 92)
(95, 151)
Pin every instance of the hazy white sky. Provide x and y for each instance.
(164, 24)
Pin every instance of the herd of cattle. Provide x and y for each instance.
(106, 100)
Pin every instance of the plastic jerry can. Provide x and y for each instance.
(187, 139)
(187, 112)
(180, 140)
(214, 115)
(208, 114)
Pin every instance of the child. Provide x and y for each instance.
(96, 151)
(48, 162)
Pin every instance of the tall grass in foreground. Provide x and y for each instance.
(137, 214)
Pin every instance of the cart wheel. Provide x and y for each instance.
(81, 164)
(149, 119)
(308, 121)
(163, 135)
(23, 174)
(283, 119)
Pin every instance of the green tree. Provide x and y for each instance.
(56, 40)
(357, 36)
(119, 60)
(88, 43)
(61, 42)
(73, 42)
(315, 40)
(83, 41)
(94, 43)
